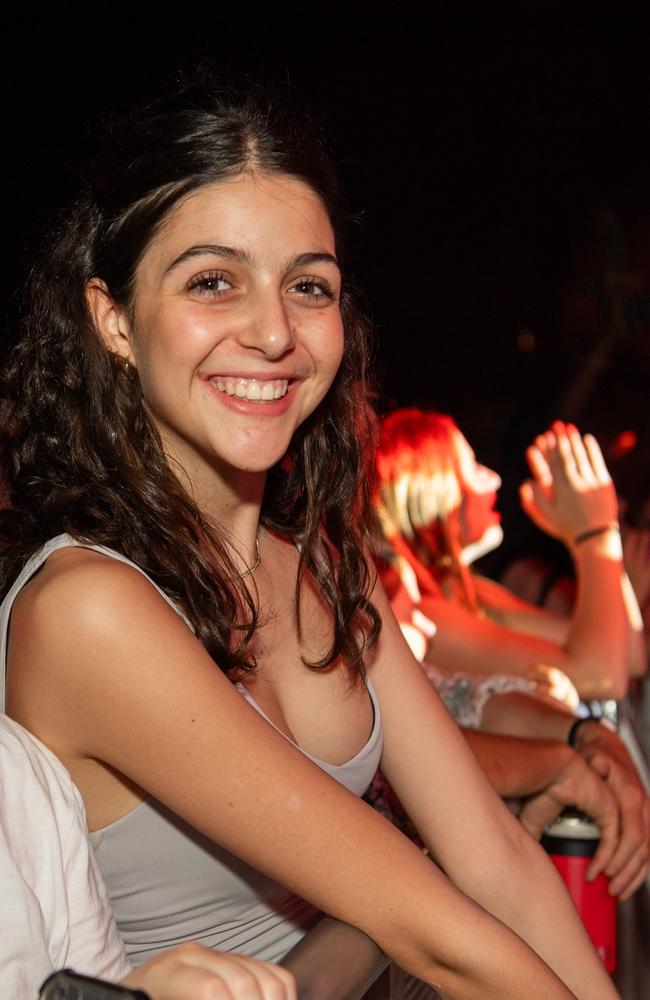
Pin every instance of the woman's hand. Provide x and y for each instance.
(552, 682)
(193, 972)
(571, 491)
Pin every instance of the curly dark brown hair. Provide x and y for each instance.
(78, 451)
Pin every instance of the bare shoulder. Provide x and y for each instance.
(82, 623)
(79, 587)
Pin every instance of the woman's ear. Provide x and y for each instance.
(110, 319)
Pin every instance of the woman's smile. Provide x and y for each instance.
(252, 389)
(255, 395)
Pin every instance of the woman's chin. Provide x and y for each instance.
(490, 539)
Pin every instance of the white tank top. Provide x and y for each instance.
(166, 882)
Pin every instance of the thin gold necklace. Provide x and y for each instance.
(251, 569)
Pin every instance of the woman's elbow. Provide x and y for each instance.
(610, 687)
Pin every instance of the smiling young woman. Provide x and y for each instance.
(235, 328)
(195, 630)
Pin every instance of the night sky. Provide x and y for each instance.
(498, 173)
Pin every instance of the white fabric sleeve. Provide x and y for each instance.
(55, 911)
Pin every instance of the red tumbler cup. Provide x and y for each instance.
(571, 843)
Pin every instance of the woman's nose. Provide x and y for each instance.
(268, 328)
(491, 479)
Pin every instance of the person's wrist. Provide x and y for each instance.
(587, 730)
(595, 531)
(602, 540)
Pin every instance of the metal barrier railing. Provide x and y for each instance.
(335, 961)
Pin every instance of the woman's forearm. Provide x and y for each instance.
(517, 714)
(467, 954)
(551, 926)
(531, 950)
(598, 638)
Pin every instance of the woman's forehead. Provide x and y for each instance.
(248, 209)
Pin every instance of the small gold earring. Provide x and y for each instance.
(123, 364)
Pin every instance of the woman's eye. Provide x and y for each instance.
(313, 288)
(211, 285)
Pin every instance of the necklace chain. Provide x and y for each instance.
(251, 569)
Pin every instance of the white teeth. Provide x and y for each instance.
(252, 389)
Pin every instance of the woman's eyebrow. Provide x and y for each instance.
(315, 257)
(232, 253)
(242, 257)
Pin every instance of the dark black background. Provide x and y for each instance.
(476, 155)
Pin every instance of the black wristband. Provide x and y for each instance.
(575, 726)
(593, 532)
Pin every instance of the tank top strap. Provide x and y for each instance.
(32, 566)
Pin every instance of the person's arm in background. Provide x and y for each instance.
(636, 552)
(507, 609)
(520, 742)
(570, 495)
(586, 481)
(550, 775)
(520, 715)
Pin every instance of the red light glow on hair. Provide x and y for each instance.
(413, 442)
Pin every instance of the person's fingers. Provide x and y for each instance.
(567, 467)
(248, 978)
(596, 458)
(276, 983)
(252, 980)
(539, 466)
(538, 812)
(630, 877)
(632, 848)
(537, 506)
(549, 442)
(581, 456)
(585, 789)
(526, 497)
(170, 978)
(242, 981)
(541, 443)
(191, 981)
(604, 813)
(191, 970)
